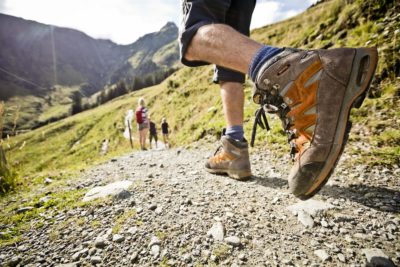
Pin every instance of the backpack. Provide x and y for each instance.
(139, 115)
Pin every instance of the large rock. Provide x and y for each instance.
(115, 189)
(311, 206)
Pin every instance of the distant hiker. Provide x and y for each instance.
(312, 91)
(165, 132)
(142, 122)
(104, 147)
(153, 132)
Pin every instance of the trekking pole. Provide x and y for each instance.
(130, 133)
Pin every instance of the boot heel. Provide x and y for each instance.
(239, 174)
(365, 63)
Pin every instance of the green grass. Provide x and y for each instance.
(121, 219)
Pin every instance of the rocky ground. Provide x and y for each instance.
(170, 212)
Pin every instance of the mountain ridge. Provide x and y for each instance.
(39, 61)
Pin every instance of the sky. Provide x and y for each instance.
(124, 21)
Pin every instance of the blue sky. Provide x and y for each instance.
(124, 21)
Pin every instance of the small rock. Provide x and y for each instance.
(341, 257)
(217, 231)
(154, 241)
(43, 200)
(305, 218)
(152, 206)
(242, 257)
(92, 251)
(132, 230)
(158, 210)
(187, 258)
(122, 194)
(48, 181)
(95, 259)
(118, 238)
(233, 241)
(155, 251)
(24, 209)
(324, 224)
(76, 256)
(322, 254)
(14, 261)
(100, 242)
(133, 257)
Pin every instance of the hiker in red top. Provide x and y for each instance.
(142, 122)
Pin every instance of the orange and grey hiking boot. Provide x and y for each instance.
(231, 158)
(313, 92)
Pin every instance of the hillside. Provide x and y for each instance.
(42, 65)
(192, 106)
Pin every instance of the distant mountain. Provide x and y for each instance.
(36, 59)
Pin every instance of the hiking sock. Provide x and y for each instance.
(265, 53)
(236, 132)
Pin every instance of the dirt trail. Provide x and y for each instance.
(176, 214)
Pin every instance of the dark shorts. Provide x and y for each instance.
(197, 13)
(153, 136)
(142, 126)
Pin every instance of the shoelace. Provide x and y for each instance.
(274, 104)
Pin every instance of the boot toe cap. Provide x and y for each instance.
(302, 179)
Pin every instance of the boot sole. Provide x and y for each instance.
(235, 174)
(362, 73)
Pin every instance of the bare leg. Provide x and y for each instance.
(232, 95)
(145, 137)
(222, 45)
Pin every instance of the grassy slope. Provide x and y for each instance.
(192, 105)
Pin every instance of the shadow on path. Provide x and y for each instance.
(378, 198)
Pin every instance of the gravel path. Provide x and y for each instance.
(176, 214)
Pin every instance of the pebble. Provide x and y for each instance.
(100, 242)
(233, 241)
(154, 241)
(24, 209)
(14, 261)
(118, 238)
(155, 251)
(95, 259)
(217, 231)
(132, 230)
(322, 254)
(341, 257)
(305, 219)
(133, 257)
(152, 206)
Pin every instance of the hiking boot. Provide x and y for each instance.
(231, 158)
(313, 92)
